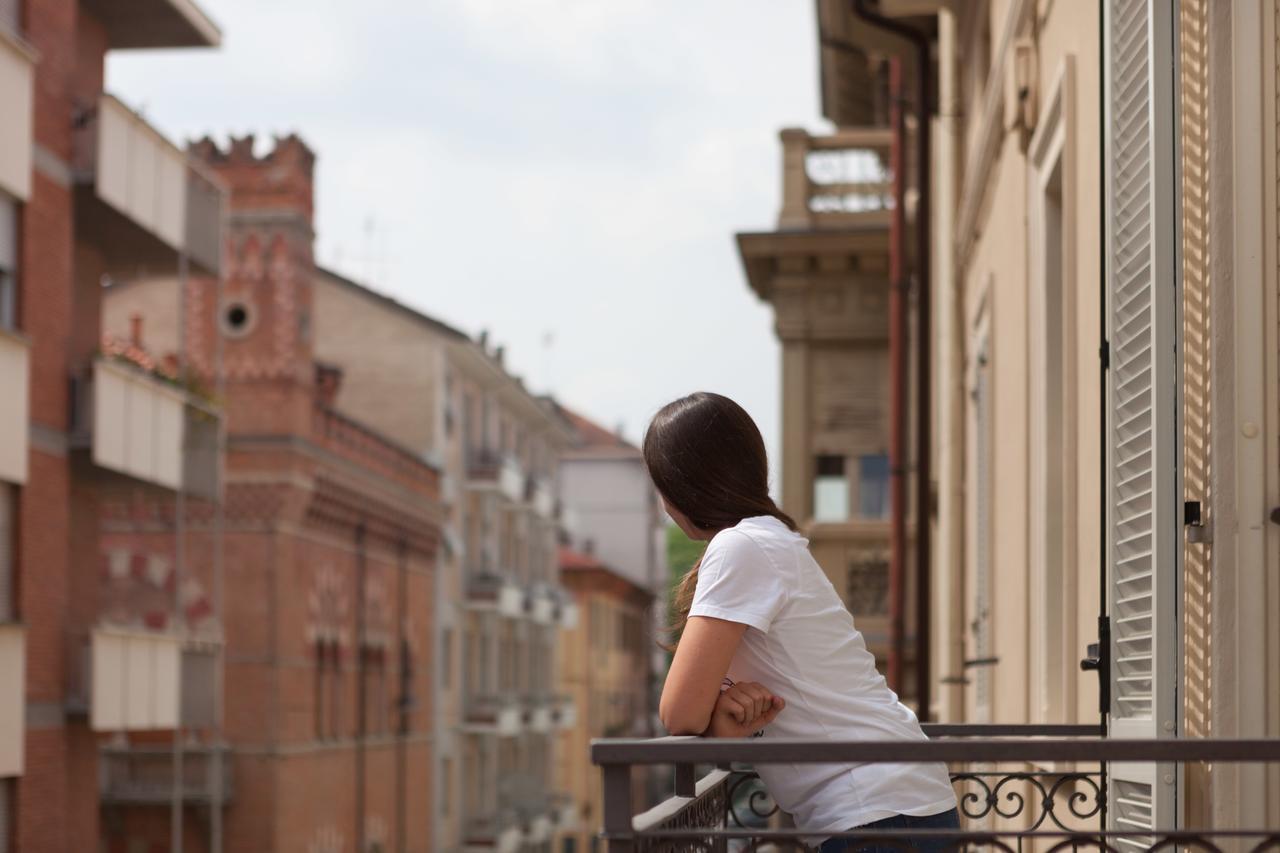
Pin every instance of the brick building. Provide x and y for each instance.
(89, 192)
(331, 538)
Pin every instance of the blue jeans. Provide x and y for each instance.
(943, 820)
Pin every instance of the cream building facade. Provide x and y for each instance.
(602, 662)
(825, 271)
(1106, 373)
(500, 604)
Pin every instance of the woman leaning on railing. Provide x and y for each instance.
(766, 647)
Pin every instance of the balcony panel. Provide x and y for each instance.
(143, 775)
(492, 834)
(15, 378)
(13, 662)
(135, 680)
(17, 73)
(489, 470)
(566, 713)
(569, 616)
(138, 201)
(137, 426)
(494, 715)
(154, 23)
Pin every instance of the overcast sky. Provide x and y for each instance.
(570, 171)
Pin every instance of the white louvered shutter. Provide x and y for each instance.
(1141, 291)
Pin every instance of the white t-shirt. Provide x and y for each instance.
(801, 644)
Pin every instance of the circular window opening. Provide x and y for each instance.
(237, 319)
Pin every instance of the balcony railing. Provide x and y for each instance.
(13, 698)
(15, 378)
(489, 470)
(1051, 790)
(143, 426)
(835, 181)
(539, 496)
(491, 591)
(500, 715)
(143, 203)
(564, 713)
(498, 831)
(144, 775)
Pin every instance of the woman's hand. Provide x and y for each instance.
(743, 710)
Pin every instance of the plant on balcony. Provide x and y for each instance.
(164, 369)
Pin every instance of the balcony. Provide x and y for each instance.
(154, 23)
(13, 699)
(127, 680)
(494, 715)
(15, 378)
(143, 775)
(1050, 793)
(17, 77)
(565, 611)
(540, 714)
(144, 426)
(139, 200)
(838, 181)
(488, 470)
(493, 592)
(540, 605)
(492, 833)
(564, 713)
(540, 497)
(564, 812)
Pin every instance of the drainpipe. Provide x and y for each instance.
(361, 721)
(898, 377)
(924, 489)
(406, 698)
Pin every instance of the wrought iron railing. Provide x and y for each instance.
(144, 775)
(1015, 786)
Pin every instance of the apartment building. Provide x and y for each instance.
(617, 513)
(332, 533)
(500, 606)
(99, 642)
(602, 661)
(1104, 299)
(826, 270)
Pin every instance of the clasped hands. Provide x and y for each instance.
(743, 709)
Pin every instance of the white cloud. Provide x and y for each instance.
(532, 165)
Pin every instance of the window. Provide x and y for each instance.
(375, 691)
(8, 260)
(446, 661)
(830, 490)
(873, 486)
(327, 688)
(1051, 499)
(867, 587)
(446, 790)
(8, 524)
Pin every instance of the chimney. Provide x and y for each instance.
(589, 547)
(328, 381)
(135, 330)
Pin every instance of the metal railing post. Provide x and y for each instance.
(617, 806)
(686, 781)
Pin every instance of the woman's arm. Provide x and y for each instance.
(701, 661)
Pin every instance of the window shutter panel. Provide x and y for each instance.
(1140, 442)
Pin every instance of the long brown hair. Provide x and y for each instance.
(707, 458)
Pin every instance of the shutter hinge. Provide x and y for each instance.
(1104, 353)
(1099, 661)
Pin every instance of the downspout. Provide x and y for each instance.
(361, 720)
(406, 699)
(898, 377)
(924, 490)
